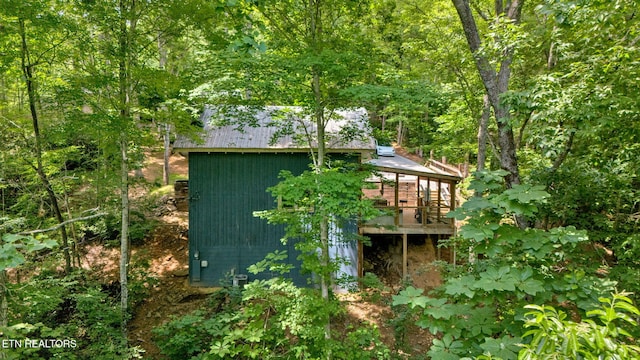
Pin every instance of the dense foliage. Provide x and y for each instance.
(87, 86)
(479, 308)
(603, 336)
(80, 313)
(268, 319)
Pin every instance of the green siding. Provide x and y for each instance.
(224, 191)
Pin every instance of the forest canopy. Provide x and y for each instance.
(539, 98)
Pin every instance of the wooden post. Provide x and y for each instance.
(404, 256)
(360, 257)
(395, 203)
(439, 200)
(453, 196)
(418, 213)
(427, 214)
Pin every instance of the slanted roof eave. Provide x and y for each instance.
(189, 149)
(402, 165)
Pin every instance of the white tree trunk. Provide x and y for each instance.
(124, 236)
(167, 153)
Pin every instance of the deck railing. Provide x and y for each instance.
(412, 216)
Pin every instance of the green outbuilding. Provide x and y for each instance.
(232, 164)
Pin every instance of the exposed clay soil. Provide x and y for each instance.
(166, 250)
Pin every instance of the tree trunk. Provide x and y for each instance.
(124, 235)
(4, 304)
(27, 70)
(316, 33)
(124, 105)
(167, 153)
(75, 256)
(495, 84)
(563, 155)
(482, 133)
(325, 279)
(399, 131)
(162, 62)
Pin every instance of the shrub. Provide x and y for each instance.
(604, 335)
(70, 308)
(270, 319)
(479, 306)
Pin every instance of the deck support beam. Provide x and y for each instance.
(404, 256)
(360, 255)
(396, 205)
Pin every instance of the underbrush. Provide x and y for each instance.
(71, 317)
(268, 319)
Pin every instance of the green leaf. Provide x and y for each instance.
(443, 311)
(527, 194)
(482, 320)
(461, 286)
(11, 252)
(11, 238)
(531, 286)
(477, 203)
(628, 307)
(446, 349)
(410, 296)
(477, 233)
(497, 279)
(506, 347)
(531, 238)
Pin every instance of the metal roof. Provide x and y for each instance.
(402, 165)
(275, 129)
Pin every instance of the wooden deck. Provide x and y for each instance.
(413, 207)
(415, 200)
